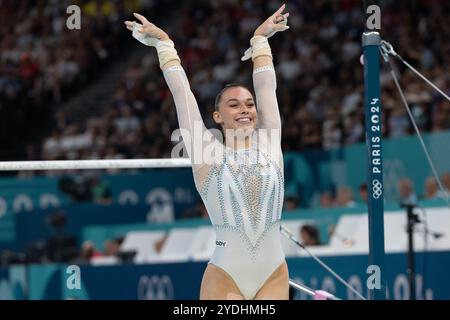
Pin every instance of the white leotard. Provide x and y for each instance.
(243, 190)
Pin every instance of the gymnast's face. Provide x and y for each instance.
(237, 109)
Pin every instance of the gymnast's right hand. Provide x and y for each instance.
(146, 32)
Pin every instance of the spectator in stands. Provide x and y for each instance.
(446, 181)
(87, 252)
(309, 235)
(327, 200)
(331, 130)
(406, 191)
(199, 211)
(76, 187)
(60, 246)
(363, 194)
(344, 197)
(112, 247)
(431, 189)
(399, 122)
(100, 191)
(291, 203)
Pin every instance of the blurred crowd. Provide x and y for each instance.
(320, 84)
(43, 63)
(345, 197)
(320, 78)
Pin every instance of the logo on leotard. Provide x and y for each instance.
(221, 243)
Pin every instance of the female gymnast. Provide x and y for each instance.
(243, 192)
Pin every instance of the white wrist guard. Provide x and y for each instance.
(166, 49)
(259, 47)
(249, 52)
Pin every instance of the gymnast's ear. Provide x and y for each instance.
(217, 117)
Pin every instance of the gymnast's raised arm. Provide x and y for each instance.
(264, 80)
(189, 117)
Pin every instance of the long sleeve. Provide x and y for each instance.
(196, 136)
(265, 85)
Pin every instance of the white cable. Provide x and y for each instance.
(416, 128)
(387, 49)
(315, 294)
(291, 237)
(302, 288)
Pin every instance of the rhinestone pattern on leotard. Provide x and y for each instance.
(256, 188)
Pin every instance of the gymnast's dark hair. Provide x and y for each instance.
(228, 86)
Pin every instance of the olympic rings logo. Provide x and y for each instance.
(377, 188)
(155, 288)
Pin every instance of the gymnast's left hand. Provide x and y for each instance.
(275, 23)
(147, 28)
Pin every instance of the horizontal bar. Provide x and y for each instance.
(94, 164)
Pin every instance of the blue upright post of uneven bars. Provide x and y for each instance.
(371, 50)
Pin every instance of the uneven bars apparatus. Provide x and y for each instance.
(371, 42)
(94, 164)
(129, 164)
